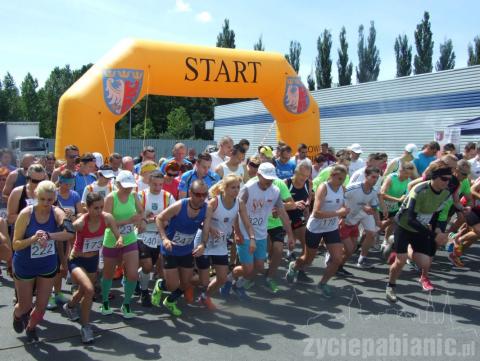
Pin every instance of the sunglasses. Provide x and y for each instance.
(445, 179)
(465, 174)
(200, 195)
(35, 181)
(72, 156)
(253, 165)
(172, 174)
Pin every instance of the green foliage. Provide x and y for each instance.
(29, 100)
(311, 82)
(323, 62)
(345, 69)
(179, 124)
(226, 38)
(11, 100)
(424, 44)
(403, 56)
(368, 56)
(294, 55)
(474, 52)
(144, 130)
(259, 46)
(447, 56)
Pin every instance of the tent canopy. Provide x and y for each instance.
(468, 127)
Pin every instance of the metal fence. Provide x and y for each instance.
(163, 147)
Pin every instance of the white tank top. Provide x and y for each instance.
(333, 202)
(222, 221)
(239, 172)
(94, 187)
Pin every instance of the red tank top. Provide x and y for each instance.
(86, 241)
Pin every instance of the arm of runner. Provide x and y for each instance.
(4, 237)
(198, 251)
(162, 220)
(19, 242)
(79, 223)
(9, 183)
(219, 171)
(282, 213)
(61, 235)
(320, 195)
(413, 183)
(12, 206)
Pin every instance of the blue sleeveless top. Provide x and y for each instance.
(21, 179)
(35, 260)
(182, 230)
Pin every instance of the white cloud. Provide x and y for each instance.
(182, 6)
(204, 17)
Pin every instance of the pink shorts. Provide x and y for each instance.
(119, 252)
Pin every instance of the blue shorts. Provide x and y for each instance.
(260, 252)
(89, 264)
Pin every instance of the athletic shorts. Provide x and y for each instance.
(31, 276)
(204, 262)
(148, 252)
(171, 262)
(277, 234)
(246, 257)
(390, 215)
(298, 223)
(419, 243)
(312, 240)
(348, 231)
(366, 220)
(89, 264)
(118, 252)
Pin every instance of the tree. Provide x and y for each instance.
(179, 124)
(447, 56)
(226, 38)
(403, 56)
(424, 44)
(474, 52)
(29, 100)
(345, 69)
(3, 104)
(259, 46)
(11, 99)
(294, 57)
(311, 82)
(368, 56)
(144, 130)
(323, 63)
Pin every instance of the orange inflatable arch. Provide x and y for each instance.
(89, 109)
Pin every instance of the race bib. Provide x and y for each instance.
(3, 213)
(150, 239)
(256, 221)
(214, 242)
(126, 229)
(424, 218)
(392, 206)
(37, 251)
(182, 239)
(328, 222)
(31, 202)
(92, 244)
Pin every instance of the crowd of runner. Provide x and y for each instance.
(217, 224)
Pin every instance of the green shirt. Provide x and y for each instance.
(323, 177)
(122, 211)
(464, 189)
(274, 222)
(397, 189)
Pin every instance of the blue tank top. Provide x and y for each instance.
(182, 230)
(21, 179)
(35, 260)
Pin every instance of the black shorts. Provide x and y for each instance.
(89, 264)
(313, 239)
(204, 262)
(171, 262)
(390, 215)
(277, 234)
(419, 243)
(298, 222)
(148, 252)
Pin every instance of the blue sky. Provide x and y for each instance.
(38, 35)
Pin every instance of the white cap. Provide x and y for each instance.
(98, 159)
(107, 173)
(356, 148)
(267, 171)
(412, 149)
(126, 179)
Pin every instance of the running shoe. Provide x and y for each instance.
(60, 298)
(145, 299)
(225, 289)
(31, 335)
(426, 284)
(20, 323)
(291, 272)
(240, 292)
(365, 264)
(172, 307)
(86, 333)
(105, 309)
(341, 271)
(157, 293)
(303, 277)
(207, 302)
(325, 290)
(391, 294)
(126, 311)
(188, 294)
(72, 313)
(456, 261)
(51, 305)
(272, 285)
(248, 284)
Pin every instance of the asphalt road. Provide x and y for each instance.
(295, 324)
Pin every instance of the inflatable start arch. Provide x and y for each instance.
(89, 109)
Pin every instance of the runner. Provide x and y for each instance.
(103, 185)
(426, 156)
(35, 259)
(127, 164)
(148, 154)
(18, 177)
(201, 171)
(225, 209)
(115, 161)
(145, 170)
(234, 165)
(84, 176)
(184, 218)
(5, 245)
(417, 226)
(329, 206)
(356, 162)
(225, 145)
(154, 200)
(171, 180)
(284, 165)
(83, 261)
(253, 163)
(409, 153)
(3, 202)
(179, 151)
(7, 160)
(343, 158)
(71, 155)
(127, 211)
